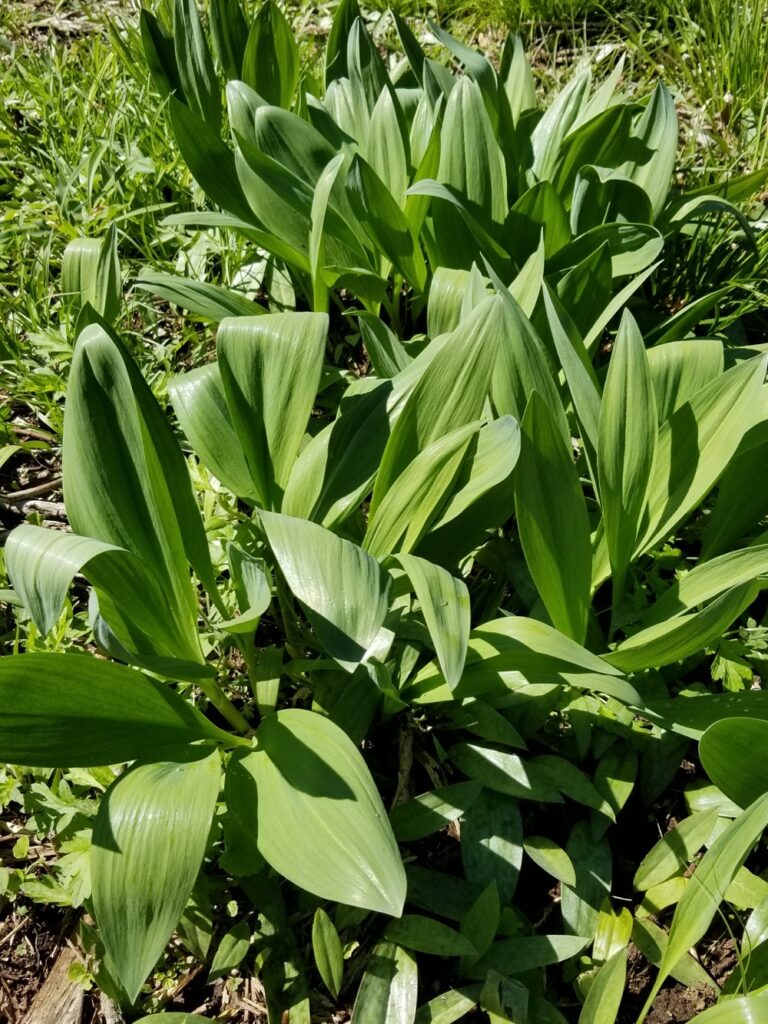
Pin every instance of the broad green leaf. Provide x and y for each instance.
(504, 772)
(174, 1018)
(477, 67)
(42, 564)
(231, 951)
(572, 782)
(652, 940)
(742, 496)
(602, 139)
(450, 393)
(379, 213)
(633, 247)
(271, 58)
(557, 122)
(446, 296)
(472, 164)
(445, 606)
(229, 33)
(141, 881)
(681, 369)
(550, 858)
(627, 436)
(200, 298)
(516, 77)
(481, 922)
(657, 129)
(328, 952)
(388, 991)
(581, 902)
(90, 271)
(732, 753)
(603, 196)
(270, 368)
(701, 899)
(523, 367)
(675, 850)
(68, 711)
(319, 818)
(538, 215)
(585, 290)
(446, 1008)
(317, 234)
(252, 590)
(125, 478)
(385, 350)
(425, 935)
(201, 408)
(708, 580)
(606, 990)
(384, 149)
(367, 73)
(527, 952)
(210, 161)
(195, 64)
(343, 591)
(739, 1010)
(159, 54)
(431, 811)
(674, 639)
(491, 843)
(552, 520)
(336, 47)
(514, 644)
(691, 715)
(696, 444)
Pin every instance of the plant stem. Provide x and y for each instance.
(224, 706)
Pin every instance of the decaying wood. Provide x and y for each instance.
(59, 1001)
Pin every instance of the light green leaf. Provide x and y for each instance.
(343, 591)
(550, 858)
(252, 590)
(527, 952)
(674, 639)
(229, 32)
(558, 120)
(125, 478)
(384, 149)
(446, 1008)
(195, 64)
(68, 711)
(445, 606)
(732, 753)
(701, 899)
(739, 1010)
(90, 273)
(450, 393)
(691, 715)
(425, 935)
(328, 952)
(708, 580)
(627, 436)
(675, 850)
(200, 405)
(200, 298)
(231, 951)
(552, 520)
(141, 881)
(505, 773)
(606, 990)
(657, 129)
(433, 810)
(389, 989)
(698, 441)
(270, 368)
(319, 818)
(681, 369)
(271, 58)
(491, 843)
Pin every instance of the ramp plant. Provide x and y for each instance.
(377, 660)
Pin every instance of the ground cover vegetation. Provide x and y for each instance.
(397, 649)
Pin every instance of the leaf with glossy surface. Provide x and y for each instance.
(433, 810)
(700, 901)
(627, 435)
(675, 850)
(732, 753)
(389, 989)
(200, 298)
(320, 819)
(343, 591)
(141, 881)
(68, 711)
(271, 58)
(425, 935)
(270, 368)
(445, 605)
(201, 408)
(328, 951)
(552, 520)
